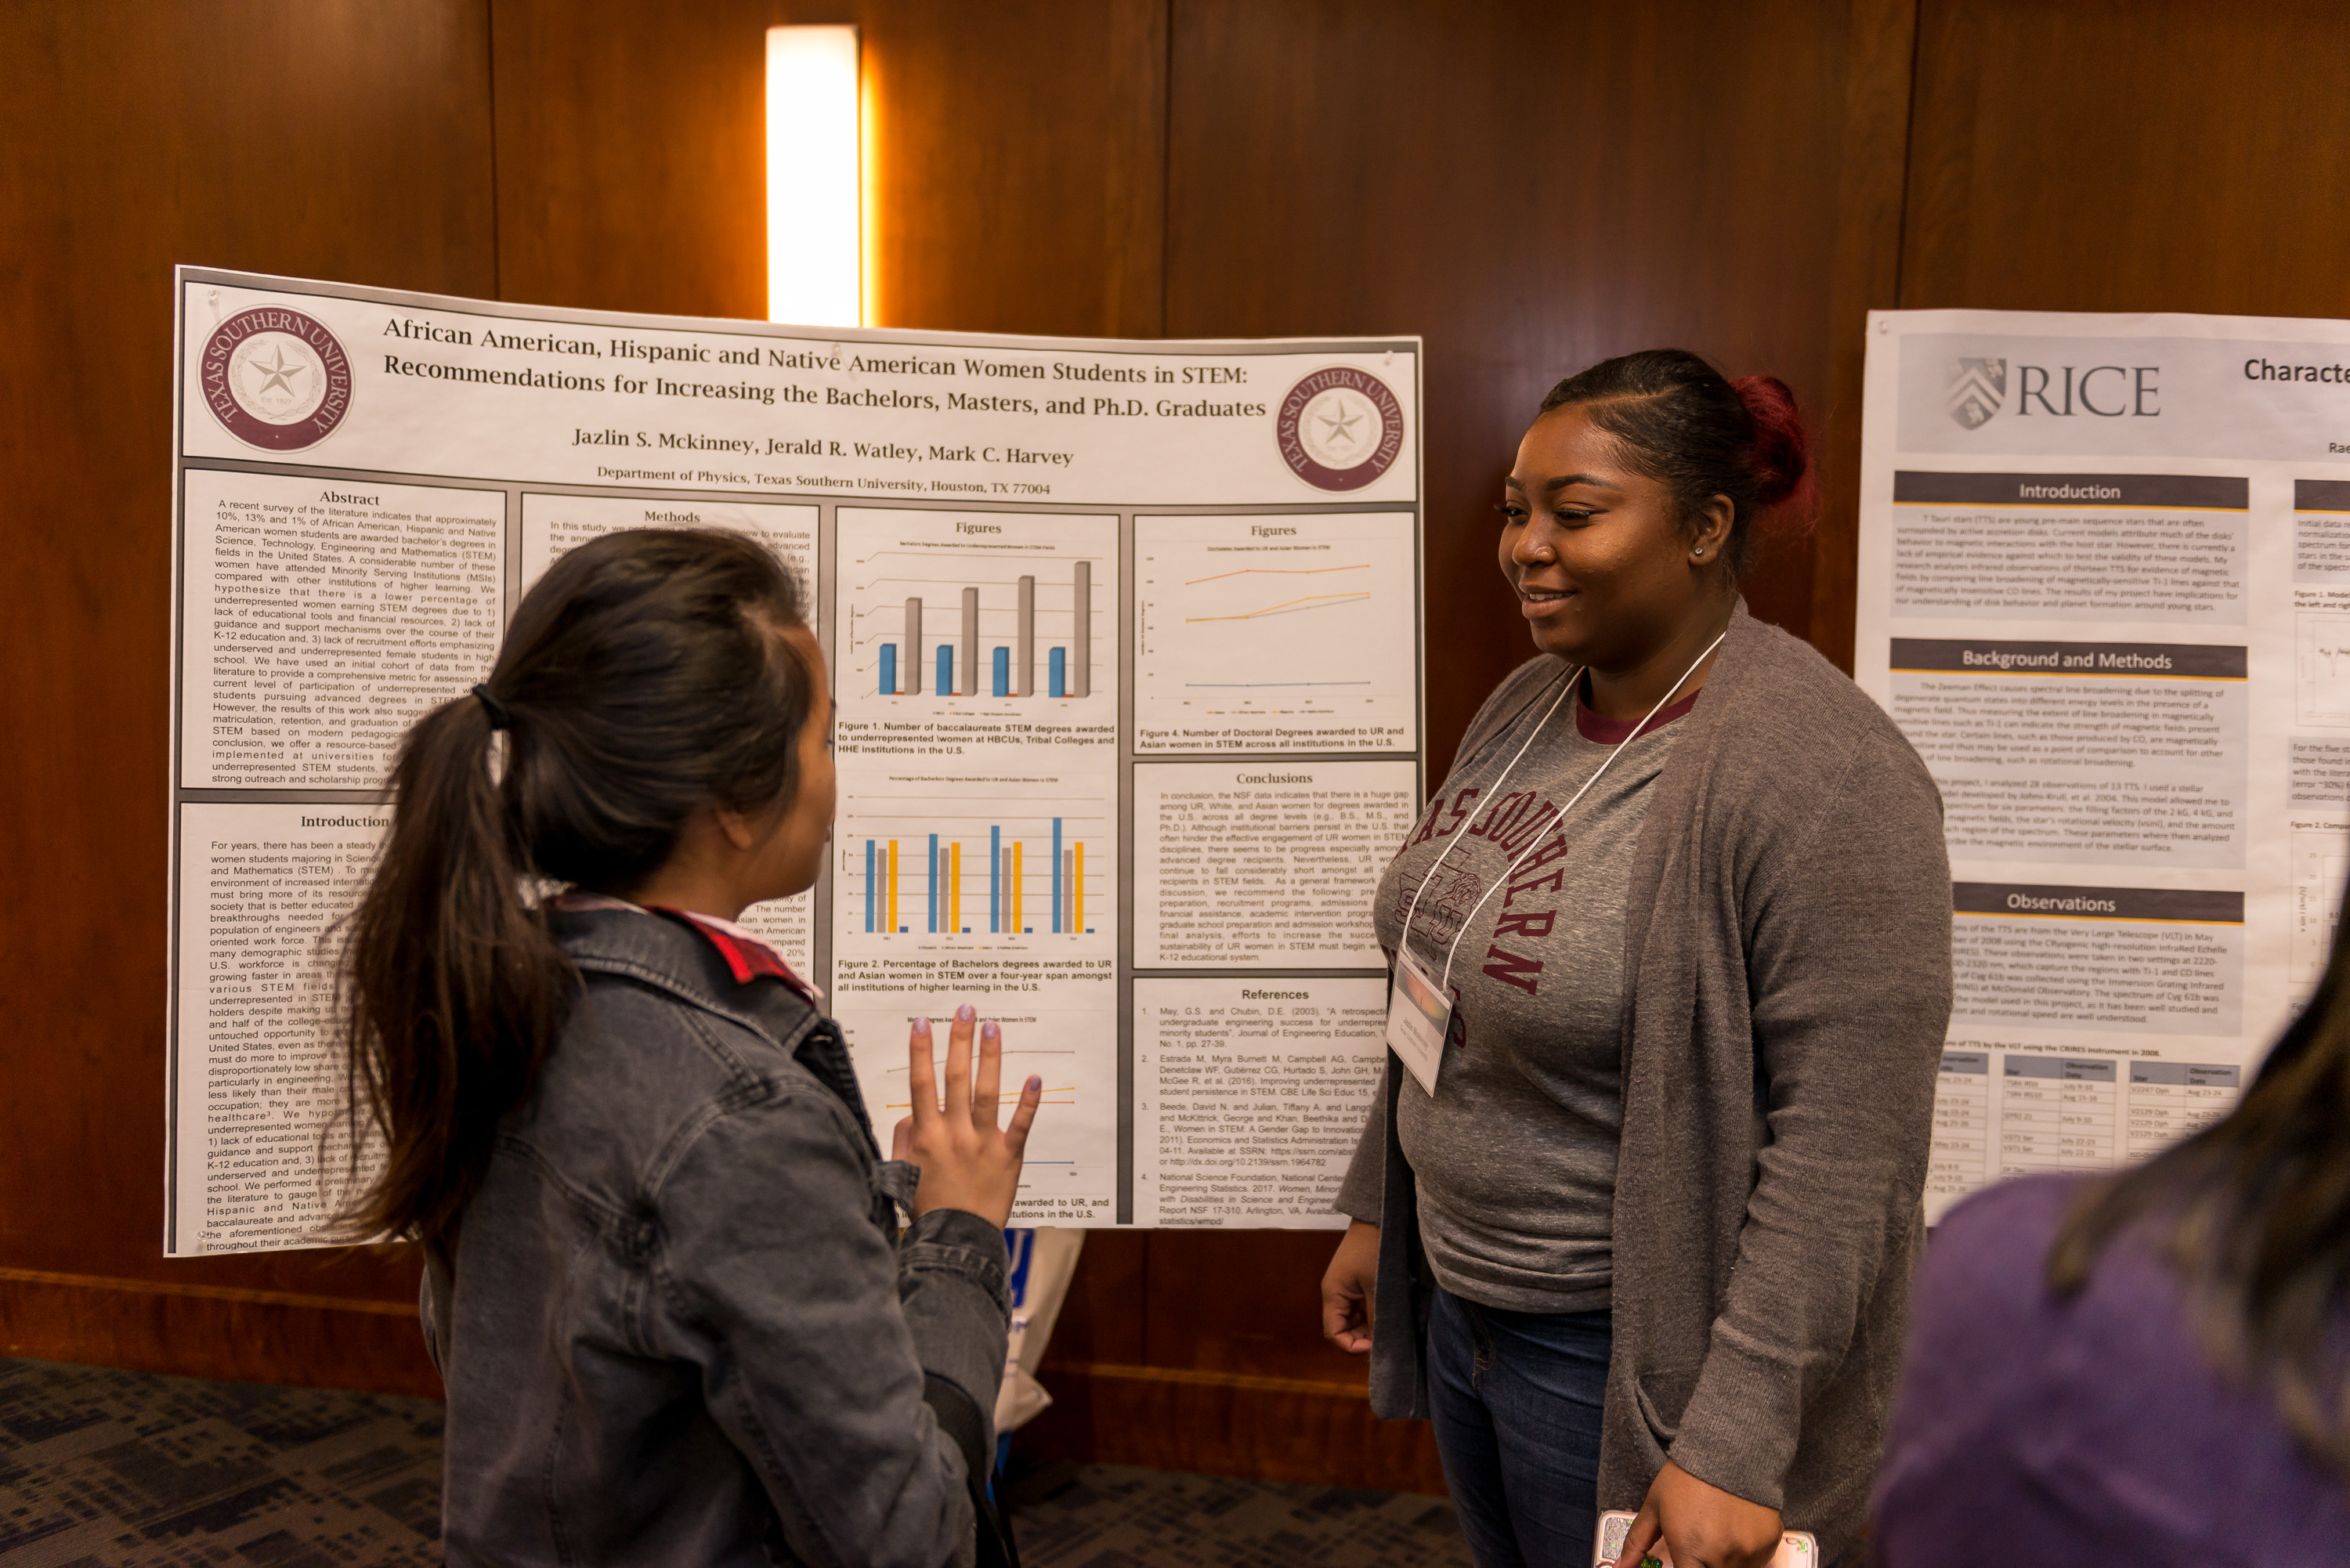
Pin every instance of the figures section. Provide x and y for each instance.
(947, 617)
(1276, 632)
(1059, 1021)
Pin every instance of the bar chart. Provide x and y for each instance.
(1309, 619)
(914, 873)
(962, 608)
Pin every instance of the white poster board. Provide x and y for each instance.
(1125, 639)
(2104, 589)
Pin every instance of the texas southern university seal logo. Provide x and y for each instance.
(1977, 388)
(1339, 428)
(276, 379)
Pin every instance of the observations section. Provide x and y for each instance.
(1263, 863)
(1280, 632)
(2145, 961)
(1250, 1095)
(2082, 546)
(2119, 753)
(257, 1080)
(320, 618)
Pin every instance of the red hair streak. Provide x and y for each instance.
(1783, 457)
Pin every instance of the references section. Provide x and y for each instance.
(1253, 1093)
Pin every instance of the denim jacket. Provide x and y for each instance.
(682, 1326)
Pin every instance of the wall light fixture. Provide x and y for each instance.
(815, 237)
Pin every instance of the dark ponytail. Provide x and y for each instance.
(1682, 423)
(645, 676)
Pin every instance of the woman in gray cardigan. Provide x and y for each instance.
(1648, 1241)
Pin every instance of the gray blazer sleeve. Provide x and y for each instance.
(818, 1332)
(1360, 1195)
(1848, 965)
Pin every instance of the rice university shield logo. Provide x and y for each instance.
(1339, 428)
(277, 379)
(1977, 388)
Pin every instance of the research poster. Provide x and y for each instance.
(1125, 639)
(2104, 589)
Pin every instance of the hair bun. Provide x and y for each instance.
(1781, 458)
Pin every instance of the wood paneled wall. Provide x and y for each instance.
(1530, 184)
(336, 139)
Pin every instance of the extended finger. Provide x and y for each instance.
(959, 1067)
(1031, 1094)
(923, 1074)
(985, 1092)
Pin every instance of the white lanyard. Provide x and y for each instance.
(1419, 1013)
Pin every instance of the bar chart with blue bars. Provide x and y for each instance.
(1019, 607)
(961, 876)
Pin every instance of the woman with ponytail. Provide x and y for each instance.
(1644, 1242)
(665, 1283)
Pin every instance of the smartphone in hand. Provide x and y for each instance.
(1797, 1548)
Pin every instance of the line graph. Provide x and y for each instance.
(2322, 691)
(1279, 572)
(1287, 606)
(1300, 619)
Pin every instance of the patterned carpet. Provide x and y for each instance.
(102, 1468)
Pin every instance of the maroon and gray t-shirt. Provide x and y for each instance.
(1515, 1156)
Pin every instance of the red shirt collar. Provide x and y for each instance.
(1615, 731)
(747, 957)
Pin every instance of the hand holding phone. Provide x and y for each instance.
(1797, 1548)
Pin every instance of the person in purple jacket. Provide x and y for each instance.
(2148, 1368)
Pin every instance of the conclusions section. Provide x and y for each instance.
(1249, 1096)
(1263, 863)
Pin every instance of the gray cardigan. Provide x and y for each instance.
(1787, 956)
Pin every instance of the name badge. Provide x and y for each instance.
(1419, 1016)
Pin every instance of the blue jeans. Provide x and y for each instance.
(1516, 1397)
